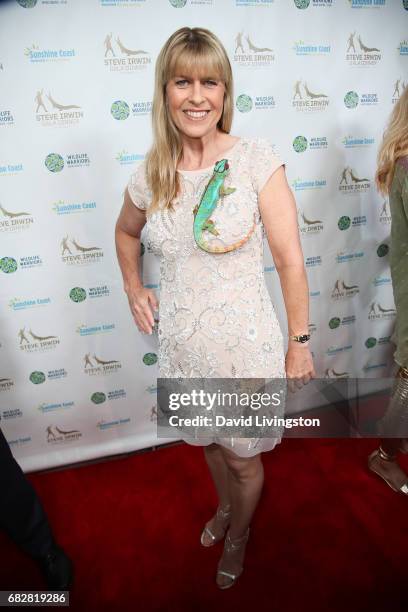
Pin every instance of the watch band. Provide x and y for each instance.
(302, 338)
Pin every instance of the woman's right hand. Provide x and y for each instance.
(141, 302)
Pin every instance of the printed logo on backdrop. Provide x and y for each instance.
(301, 143)
(304, 4)
(74, 253)
(362, 4)
(309, 226)
(38, 377)
(359, 54)
(8, 265)
(120, 109)
(403, 47)
(312, 262)
(399, 87)
(58, 435)
(384, 213)
(6, 117)
(300, 47)
(374, 366)
(382, 250)
(14, 221)
(51, 113)
(92, 330)
(335, 350)
(352, 99)
(36, 54)
(264, 3)
(32, 3)
(6, 384)
(380, 281)
(30, 342)
(149, 359)
(371, 342)
(304, 185)
(79, 294)
(249, 54)
(350, 183)
(99, 397)
(11, 169)
(405, 4)
(345, 257)
(336, 322)
(54, 162)
(378, 312)
(123, 3)
(95, 366)
(342, 290)
(121, 58)
(62, 208)
(125, 158)
(355, 142)
(19, 441)
(23, 304)
(245, 104)
(102, 425)
(308, 99)
(345, 222)
(332, 373)
(55, 406)
(14, 413)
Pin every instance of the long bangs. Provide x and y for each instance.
(196, 60)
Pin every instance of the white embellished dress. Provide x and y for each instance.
(216, 317)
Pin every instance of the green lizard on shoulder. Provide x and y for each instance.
(203, 211)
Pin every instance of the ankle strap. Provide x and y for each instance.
(385, 456)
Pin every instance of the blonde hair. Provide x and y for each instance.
(188, 51)
(394, 144)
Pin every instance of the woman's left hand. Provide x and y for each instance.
(299, 364)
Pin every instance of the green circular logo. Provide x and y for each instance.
(77, 294)
(382, 250)
(54, 162)
(120, 110)
(300, 144)
(37, 377)
(244, 103)
(150, 358)
(370, 342)
(351, 99)
(334, 322)
(8, 265)
(178, 3)
(405, 4)
(98, 397)
(344, 223)
(301, 4)
(27, 3)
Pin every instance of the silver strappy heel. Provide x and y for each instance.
(229, 546)
(221, 515)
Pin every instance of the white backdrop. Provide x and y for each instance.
(317, 77)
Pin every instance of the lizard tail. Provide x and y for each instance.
(206, 247)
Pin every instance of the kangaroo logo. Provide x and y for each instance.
(12, 215)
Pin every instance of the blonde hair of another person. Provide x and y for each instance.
(189, 51)
(394, 144)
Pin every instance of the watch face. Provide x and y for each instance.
(304, 338)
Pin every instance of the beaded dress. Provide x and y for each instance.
(216, 317)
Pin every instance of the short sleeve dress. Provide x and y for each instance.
(216, 317)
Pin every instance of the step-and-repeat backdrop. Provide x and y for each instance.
(317, 77)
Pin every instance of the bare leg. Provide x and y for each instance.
(219, 472)
(245, 477)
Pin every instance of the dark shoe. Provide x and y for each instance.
(57, 569)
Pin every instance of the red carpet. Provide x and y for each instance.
(327, 534)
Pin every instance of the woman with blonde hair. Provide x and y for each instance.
(207, 198)
(392, 180)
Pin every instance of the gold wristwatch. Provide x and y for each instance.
(302, 338)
